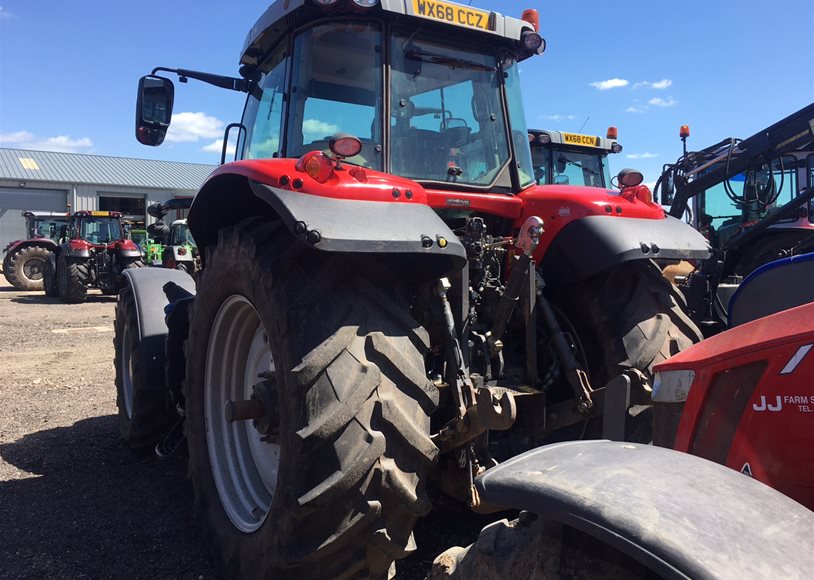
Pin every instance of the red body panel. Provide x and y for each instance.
(368, 185)
(557, 205)
(771, 432)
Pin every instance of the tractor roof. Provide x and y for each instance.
(543, 137)
(46, 214)
(284, 15)
(84, 213)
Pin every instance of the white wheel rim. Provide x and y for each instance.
(244, 467)
(126, 372)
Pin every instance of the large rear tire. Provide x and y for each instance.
(141, 394)
(333, 485)
(72, 276)
(631, 317)
(25, 267)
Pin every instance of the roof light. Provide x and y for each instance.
(531, 138)
(613, 132)
(532, 17)
(326, 2)
(616, 148)
(544, 138)
(365, 3)
(684, 132)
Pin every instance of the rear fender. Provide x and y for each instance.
(147, 285)
(679, 515)
(587, 246)
(351, 218)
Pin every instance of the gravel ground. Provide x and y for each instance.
(74, 502)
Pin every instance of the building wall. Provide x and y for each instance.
(86, 196)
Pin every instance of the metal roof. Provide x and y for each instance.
(30, 166)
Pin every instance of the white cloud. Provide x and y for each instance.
(641, 155)
(5, 14)
(558, 117)
(658, 85)
(216, 146)
(315, 130)
(59, 144)
(191, 127)
(635, 109)
(610, 84)
(658, 102)
(18, 137)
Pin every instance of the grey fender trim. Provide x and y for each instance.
(130, 253)
(679, 515)
(589, 245)
(147, 285)
(368, 227)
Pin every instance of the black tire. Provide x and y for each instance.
(72, 277)
(49, 280)
(354, 405)
(25, 267)
(141, 395)
(631, 317)
(125, 264)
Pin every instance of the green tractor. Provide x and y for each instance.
(174, 246)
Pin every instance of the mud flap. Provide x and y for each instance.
(678, 515)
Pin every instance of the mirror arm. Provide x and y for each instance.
(231, 83)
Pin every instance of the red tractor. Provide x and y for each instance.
(386, 296)
(25, 260)
(92, 253)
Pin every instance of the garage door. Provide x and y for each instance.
(13, 201)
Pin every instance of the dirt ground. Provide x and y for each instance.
(74, 502)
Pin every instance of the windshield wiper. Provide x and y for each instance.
(447, 60)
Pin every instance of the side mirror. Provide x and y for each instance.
(52, 230)
(63, 232)
(153, 109)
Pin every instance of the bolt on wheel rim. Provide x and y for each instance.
(244, 467)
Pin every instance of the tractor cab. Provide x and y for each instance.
(45, 224)
(562, 158)
(442, 109)
(97, 227)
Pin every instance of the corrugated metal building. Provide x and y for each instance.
(42, 180)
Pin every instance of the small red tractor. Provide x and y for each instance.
(388, 304)
(25, 260)
(747, 392)
(92, 253)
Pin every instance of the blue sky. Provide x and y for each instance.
(69, 69)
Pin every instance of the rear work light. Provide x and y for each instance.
(365, 3)
(616, 148)
(182, 251)
(316, 165)
(532, 41)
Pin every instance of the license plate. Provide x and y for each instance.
(577, 139)
(454, 14)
